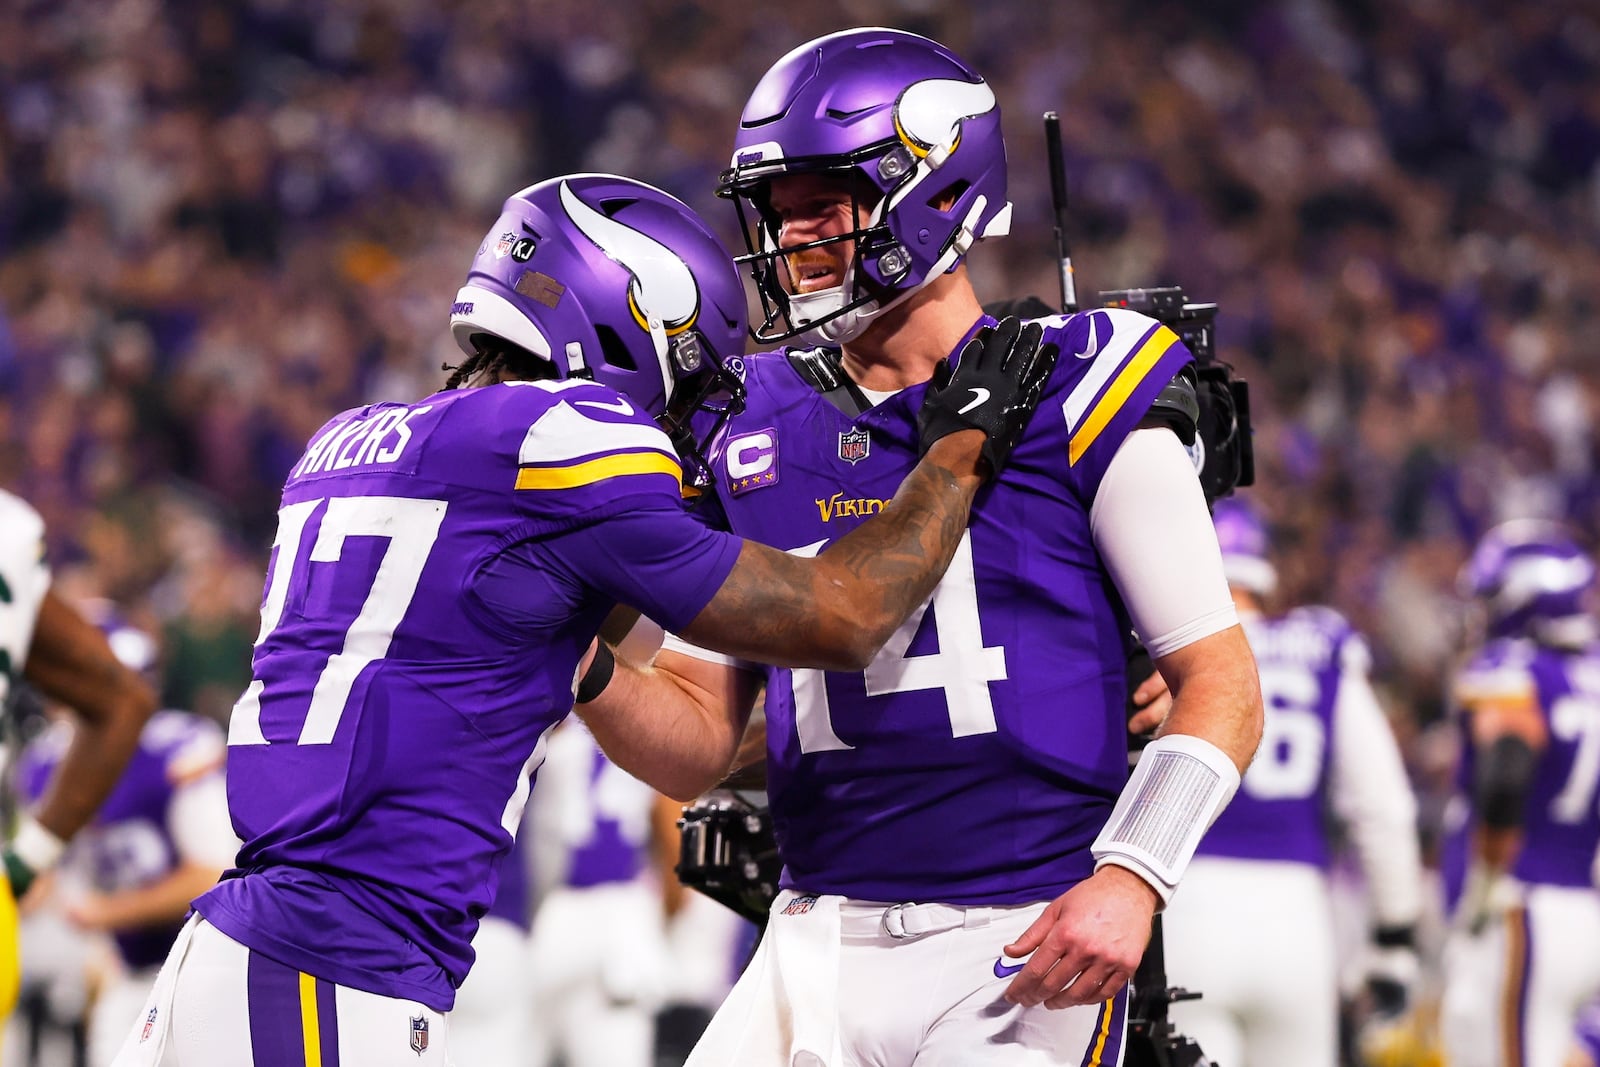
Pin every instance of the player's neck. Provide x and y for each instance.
(902, 346)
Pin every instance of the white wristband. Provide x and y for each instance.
(1178, 788)
(37, 847)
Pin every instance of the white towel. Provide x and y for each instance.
(783, 1012)
(148, 1040)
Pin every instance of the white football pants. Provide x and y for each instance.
(598, 961)
(1513, 993)
(1255, 939)
(489, 1025)
(217, 1004)
(830, 986)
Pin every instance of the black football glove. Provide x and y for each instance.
(995, 388)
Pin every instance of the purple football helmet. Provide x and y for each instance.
(1534, 581)
(916, 127)
(1245, 551)
(612, 279)
(134, 648)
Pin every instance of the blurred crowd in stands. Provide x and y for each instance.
(221, 222)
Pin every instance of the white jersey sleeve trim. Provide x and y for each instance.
(200, 824)
(564, 434)
(1369, 792)
(1151, 526)
(674, 643)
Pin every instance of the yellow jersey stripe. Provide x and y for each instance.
(1121, 386)
(1107, 1010)
(596, 470)
(310, 1030)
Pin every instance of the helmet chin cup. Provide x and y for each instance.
(828, 317)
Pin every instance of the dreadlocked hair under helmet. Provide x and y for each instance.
(497, 356)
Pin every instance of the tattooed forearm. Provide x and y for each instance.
(837, 610)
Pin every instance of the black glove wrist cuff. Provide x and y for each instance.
(1395, 936)
(598, 676)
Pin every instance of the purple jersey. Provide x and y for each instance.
(130, 844)
(977, 757)
(512, 893)
(1561, 828)
(1281, 809)
(595, 814)
(438, 572)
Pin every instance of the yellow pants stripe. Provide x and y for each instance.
(310, 1031)
(1107, 1010)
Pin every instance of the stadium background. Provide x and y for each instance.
(221, 222)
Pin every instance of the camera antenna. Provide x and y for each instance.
(1058, 202)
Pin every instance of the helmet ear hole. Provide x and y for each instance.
(616, 353)
(946, 199)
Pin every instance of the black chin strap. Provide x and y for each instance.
(823, 369)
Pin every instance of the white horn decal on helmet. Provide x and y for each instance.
(929, 113)
(663, 286)
(663, 293)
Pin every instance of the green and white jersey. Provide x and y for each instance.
(24, 577)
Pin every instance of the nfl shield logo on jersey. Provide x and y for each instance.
(854, 445)
(419, 1034)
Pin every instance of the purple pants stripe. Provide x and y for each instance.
(276, 1038)
(1105, 1044)
(328, 1017)
(1519, 975)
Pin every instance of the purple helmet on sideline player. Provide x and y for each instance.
(612, 279)
(916, 125)
(134, 648)
(1534, 581)
(1243, 538)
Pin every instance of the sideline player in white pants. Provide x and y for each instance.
(1252, 930)
(489, 1026)
(161, 839)
(598, 951)
(1523, 954)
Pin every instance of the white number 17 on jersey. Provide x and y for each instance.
(411, 527)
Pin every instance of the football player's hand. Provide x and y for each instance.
(1154, 700)
(994, 388)
(89, 912)
(1487, 896)
(1086, 943)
